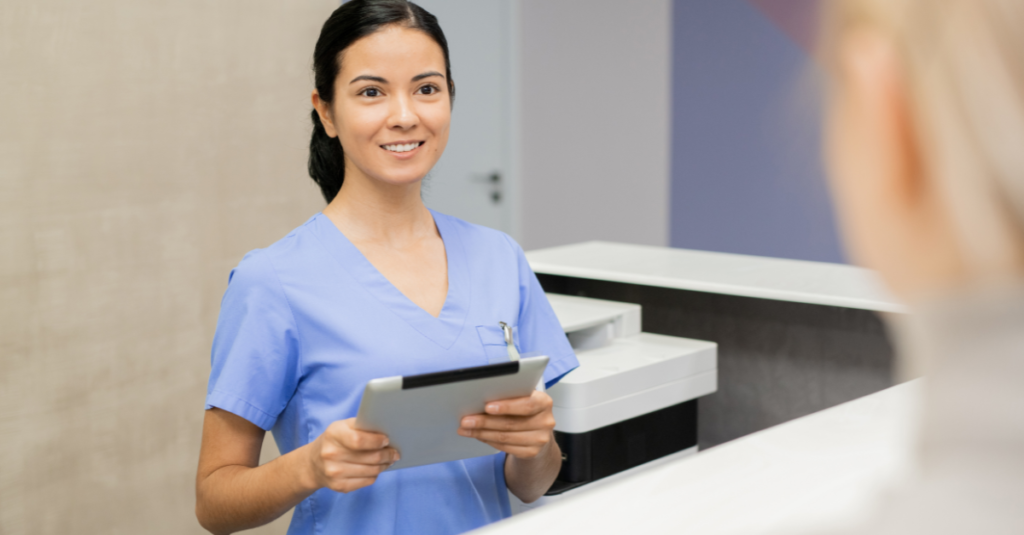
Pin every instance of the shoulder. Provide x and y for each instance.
(262, 266)
(480, 239)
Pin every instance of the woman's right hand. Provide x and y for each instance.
(344, 458)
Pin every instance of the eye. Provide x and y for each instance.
(370, 92)
(429, 90)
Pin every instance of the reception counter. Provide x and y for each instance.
(815, 473)
(776, 279)
(805, 424)
(793, 337)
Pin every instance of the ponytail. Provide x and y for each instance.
(326, 160)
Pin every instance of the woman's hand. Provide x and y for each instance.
(524, 429)
(344, 458)
(521, 427)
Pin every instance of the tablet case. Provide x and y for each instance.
(420, 414)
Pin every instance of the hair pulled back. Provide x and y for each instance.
(349, 23)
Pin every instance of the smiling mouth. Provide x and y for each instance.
(402, 147)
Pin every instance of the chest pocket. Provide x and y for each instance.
(492, 337)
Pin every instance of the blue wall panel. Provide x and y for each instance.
(746, 166)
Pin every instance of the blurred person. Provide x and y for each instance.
(376, 285)
(925, 146)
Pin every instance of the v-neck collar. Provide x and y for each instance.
(444, 330)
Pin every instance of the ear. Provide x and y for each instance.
(323, 109)
(878, 91)
(888, 202)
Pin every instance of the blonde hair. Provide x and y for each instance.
(964, 70)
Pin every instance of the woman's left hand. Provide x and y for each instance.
(521, 427)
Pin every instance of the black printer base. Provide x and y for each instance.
(609, 450)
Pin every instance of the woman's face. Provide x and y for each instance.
(391, 108)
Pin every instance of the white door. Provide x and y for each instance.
(473, 180)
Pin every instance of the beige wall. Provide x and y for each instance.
(144, 148)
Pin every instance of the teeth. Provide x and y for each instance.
(406, 147)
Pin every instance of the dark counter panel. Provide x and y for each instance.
(777, 360)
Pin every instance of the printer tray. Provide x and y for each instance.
(612, 449)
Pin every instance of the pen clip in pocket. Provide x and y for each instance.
(513, 353)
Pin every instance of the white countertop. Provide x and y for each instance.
(751, 276)
(822, 471)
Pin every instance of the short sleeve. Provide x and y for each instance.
(255, 349)
(539, 329)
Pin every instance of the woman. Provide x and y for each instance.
(376, 285)
(925, 134)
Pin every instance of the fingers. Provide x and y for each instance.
(350, 485)
(535, 403)
(524, 445)
(348, 458)
(338, 453)
(512, 438)
(543, 421)
(525, 452)
(345, 433)
(363, 447)
(517, 435)
(385, 457)
(340, 471)
(520, 426)
(355, 471)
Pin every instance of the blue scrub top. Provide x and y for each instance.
(306, 322)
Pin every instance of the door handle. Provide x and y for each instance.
(494, 180)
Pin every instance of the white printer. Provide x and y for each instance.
(633, 398)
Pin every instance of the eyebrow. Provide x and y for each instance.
(380, 80)
(428, 74)
(368, 77)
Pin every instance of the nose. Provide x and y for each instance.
(403, 113)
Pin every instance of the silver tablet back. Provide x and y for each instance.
(421, 414)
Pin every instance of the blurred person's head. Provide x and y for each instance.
(926, 139)
(383, 96)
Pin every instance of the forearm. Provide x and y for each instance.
(236, 497)
(530, 478)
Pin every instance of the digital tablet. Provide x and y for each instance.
(421, 414)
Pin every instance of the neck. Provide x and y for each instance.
(968, 344)
(370, 210)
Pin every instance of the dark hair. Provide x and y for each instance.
(349, 23)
